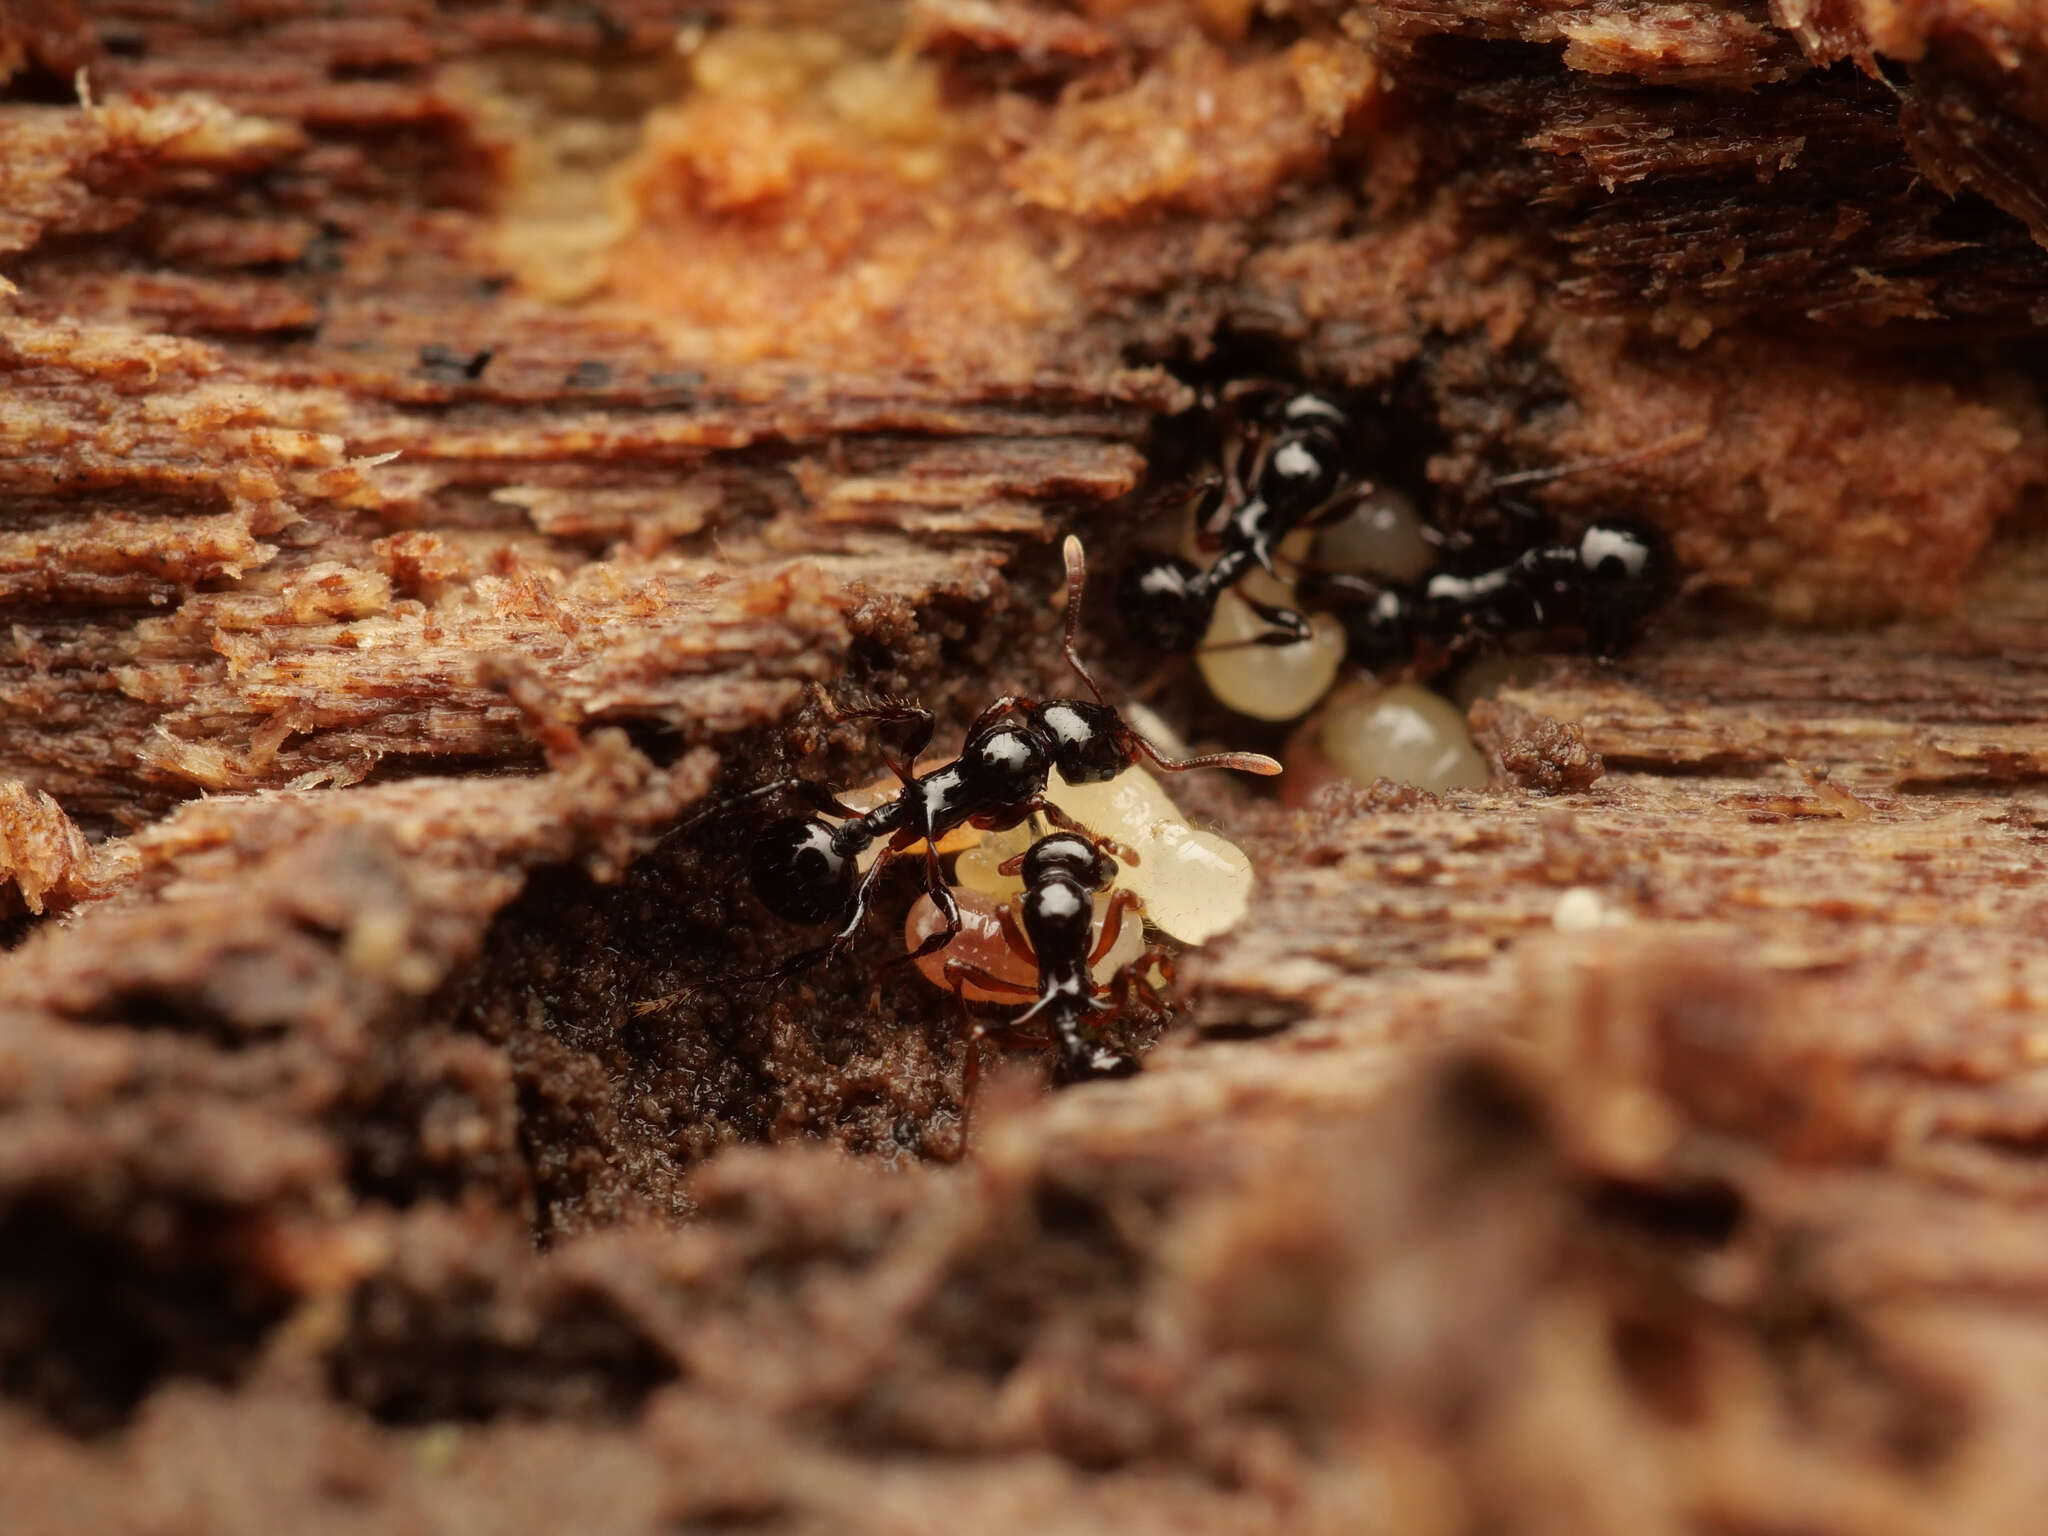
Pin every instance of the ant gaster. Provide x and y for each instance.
(1296, 474)
(806, 869)
(1062, 871)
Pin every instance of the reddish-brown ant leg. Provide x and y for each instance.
(1061, 819)
(961, 973)
(1014, 935)
(958, 973)
(1132, 979)
(920, 719)
(1120, 902)
(1009, 703)
(942, 898)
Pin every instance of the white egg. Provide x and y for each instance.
(1381, 534)
(1267, 682)
(1403, 733)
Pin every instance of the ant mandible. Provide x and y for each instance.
(1297, 474)
(1056, 941)
(805, 869)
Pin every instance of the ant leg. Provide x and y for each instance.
(974, 1031)
(971, 1035)
(949, 909)
(1039, 806)
(848, 930)
(1293, 627)
(1007, 704)
(963, 973)
(1121, 901)
(890, 712)
(1209, 506)
(1014, 937)
(1691, 437)
(1132, 980)
(734, 802)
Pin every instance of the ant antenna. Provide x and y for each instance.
(1691, 437)
(1243, 762)
(1077, 577)
(731, 803)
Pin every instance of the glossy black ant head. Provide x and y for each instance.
(1165, 604)
(1627, 572)
(1090, 742)
(801, 871)
(1005, 764)
(1067, 855)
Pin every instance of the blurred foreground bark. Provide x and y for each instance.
(439, 446)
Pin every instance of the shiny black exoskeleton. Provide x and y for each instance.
(1062, 871)
(806, 869)
(1606, 584)
(1297, 473)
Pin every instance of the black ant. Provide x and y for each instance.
(1607, 583)
(1057, 939)
(1297, 474)
(806, 869)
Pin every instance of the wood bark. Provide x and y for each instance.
(440, 447)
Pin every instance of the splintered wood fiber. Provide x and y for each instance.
(445, 450)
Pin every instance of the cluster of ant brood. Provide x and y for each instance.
(1066, 850)
(1291, 518)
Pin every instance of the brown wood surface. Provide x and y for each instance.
(381, 1147)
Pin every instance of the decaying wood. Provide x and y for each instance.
(440, 446)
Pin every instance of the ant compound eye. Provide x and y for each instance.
(800, 873)
(1164, 605)
(1089, 742)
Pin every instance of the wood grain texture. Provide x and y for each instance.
(440, 447)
